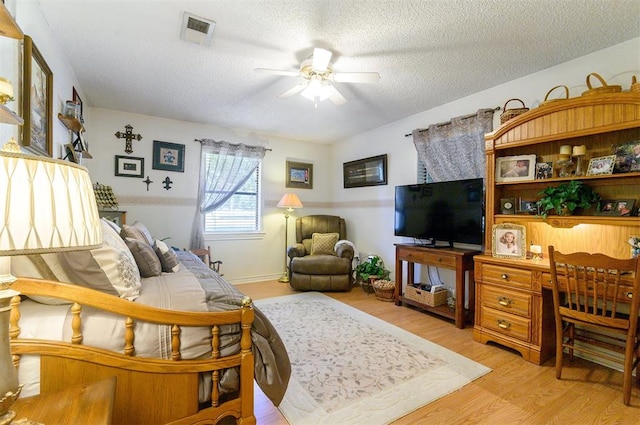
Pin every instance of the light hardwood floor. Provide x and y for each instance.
(515, 392)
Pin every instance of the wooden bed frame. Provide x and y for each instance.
(148, 391)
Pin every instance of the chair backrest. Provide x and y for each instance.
(308, 225)
(596, 286)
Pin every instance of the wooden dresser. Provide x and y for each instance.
(513, 306)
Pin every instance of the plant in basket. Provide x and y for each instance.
(370, 270)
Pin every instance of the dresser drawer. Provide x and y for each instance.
(509, 301)
(500, 275)
(427, 258)
(506, 324)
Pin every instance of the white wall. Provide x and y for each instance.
(368, 211)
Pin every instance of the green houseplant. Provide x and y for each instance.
(564, 199)
(369, 270)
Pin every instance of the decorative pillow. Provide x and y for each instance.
(137, 231)
(145, 256)
(113, 225)
(323, 243)
(168, 257)
(110, 268)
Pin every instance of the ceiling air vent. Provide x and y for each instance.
(196, 29)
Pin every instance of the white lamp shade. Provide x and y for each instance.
(46, 205)
(290, 200)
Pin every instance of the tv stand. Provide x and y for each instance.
(460, 260)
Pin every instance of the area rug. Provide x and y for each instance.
(349, 367)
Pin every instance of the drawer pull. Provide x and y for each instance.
(503, 324)
(505, 276)
(504, 301)
(629, 295)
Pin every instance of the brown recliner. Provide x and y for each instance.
(320, 272)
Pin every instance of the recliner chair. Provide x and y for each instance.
(314, 264)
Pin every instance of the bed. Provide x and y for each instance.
(185, 346)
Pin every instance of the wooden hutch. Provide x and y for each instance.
(513, 298)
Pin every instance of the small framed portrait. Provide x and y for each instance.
(129, 166)
(515, 168)
(168, 156)
(299, 175)
(627, 157)
(544, 170)
(527, 206)
(624, 207)
(601, 165)
(509, 240)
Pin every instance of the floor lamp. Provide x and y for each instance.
(46, 205)
(288, 201)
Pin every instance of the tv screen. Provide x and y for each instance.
(445, 212)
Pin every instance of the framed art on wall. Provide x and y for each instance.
(168, 156)
(508, 240)
(365, 172)
(129, 166)
(299, 175)
(37, 104)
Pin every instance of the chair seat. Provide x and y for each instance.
(321, 265)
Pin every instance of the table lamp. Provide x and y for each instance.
(46, 206)
(288, 201)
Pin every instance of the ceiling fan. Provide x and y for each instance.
(319, 78)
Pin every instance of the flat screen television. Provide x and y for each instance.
(441, 214)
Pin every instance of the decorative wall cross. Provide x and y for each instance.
(128, 136)
(148, 181)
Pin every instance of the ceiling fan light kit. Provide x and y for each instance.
(318, 77)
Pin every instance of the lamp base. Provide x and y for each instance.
(284, 278)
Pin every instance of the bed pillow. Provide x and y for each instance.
(323, 243)
(146, 259)
(113, 225)
(41, 266)
(137, 231)
(109, 268)
(167, 256)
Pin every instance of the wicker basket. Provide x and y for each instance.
(635, 86)
(426, 297)
(604, 89)
(547, 100)
(384, 290)
(513, 112)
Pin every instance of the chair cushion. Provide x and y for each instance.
(324, 243)
(321, 265)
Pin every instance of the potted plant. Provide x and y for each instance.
(369, 270)
(564, 199)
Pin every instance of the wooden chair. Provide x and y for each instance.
(205, 256)
(594, 294)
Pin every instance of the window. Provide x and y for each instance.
(241, 211)
(423, 174)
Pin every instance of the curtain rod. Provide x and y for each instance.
(497, 108)
(234, 144)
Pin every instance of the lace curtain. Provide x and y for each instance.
(221, 176)
(455, 150)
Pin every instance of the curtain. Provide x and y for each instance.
(220, 177)
(455, 150)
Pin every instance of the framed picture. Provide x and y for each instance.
(168, 156)
(527, 206)
(627, 157)
(76, 98)
(515, 168)
(129, 166)
(601, 165)
(544, 170)
(615, 207)
(365, 172)
(70, 153)
(299, 175)
(509, 241)
(37, 104)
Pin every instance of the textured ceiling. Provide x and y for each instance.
(128, 56)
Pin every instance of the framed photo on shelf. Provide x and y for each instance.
(168, 156)
(627, 157)
(370, 171)
(509, 240)
(515, 168)
(37, 104)
(601, 165)
(544, 170)
(299, 175)
(129, 166)
(527, 206)
(616, 207)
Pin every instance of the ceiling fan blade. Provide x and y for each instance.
(278, 72)
(321, 58)
(294, 90)
(356, 77)
(335, 96)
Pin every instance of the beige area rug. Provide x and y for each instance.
(349, 367)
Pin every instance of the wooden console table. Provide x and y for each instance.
(460, 260)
